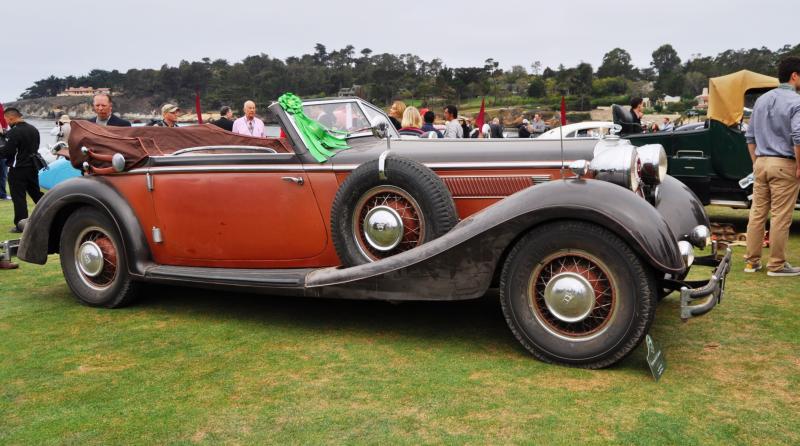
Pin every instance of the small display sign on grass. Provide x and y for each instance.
(655, 358)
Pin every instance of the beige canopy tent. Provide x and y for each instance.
(726, 94)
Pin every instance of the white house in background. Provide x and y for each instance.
(84, 91)
(671, 99)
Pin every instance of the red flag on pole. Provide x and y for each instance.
(197, 107)
(563, 111)
(3, 123)
(481, 119)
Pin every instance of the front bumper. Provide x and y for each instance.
(698, 297)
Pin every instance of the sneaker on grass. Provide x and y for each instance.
(752, 267)
(787, 270)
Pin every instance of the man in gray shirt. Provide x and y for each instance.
(452, 128)
(537, 125)
(773, 139)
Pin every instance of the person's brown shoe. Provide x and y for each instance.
(5, 264)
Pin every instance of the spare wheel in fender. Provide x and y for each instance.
(374, 218)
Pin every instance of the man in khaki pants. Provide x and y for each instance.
(773, 139)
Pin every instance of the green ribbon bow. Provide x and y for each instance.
(321, 141)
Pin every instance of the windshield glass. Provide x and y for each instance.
(341, 116)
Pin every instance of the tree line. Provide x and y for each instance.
(385, 77)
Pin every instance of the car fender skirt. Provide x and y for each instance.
(76, 192)
(461, 264)
(681, 208)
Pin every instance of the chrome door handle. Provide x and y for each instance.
(296, 180)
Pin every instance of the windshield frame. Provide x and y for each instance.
(363, 107)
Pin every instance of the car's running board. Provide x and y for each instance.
(255, 278)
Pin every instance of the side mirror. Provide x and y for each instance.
(380, 130)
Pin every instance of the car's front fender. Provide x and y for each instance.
(680, 207)
(42, 231)
(462, 263)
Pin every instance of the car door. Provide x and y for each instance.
(234, 209)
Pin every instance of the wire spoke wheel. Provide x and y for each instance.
(96, 258)
(92, 255)
(374, 216)
(573, 295)
(387, 220)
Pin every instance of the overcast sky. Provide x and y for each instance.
(72, 37)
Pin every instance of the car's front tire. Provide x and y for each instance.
(93, 260)
(574, 293)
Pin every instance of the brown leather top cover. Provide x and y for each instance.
(138, 143)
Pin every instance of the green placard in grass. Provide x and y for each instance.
(655, 358)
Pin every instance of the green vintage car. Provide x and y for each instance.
(713, 160)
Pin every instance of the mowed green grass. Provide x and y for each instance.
(187, 366)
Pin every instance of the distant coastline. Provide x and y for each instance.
(80, 107)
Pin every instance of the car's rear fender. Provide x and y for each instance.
(43, 230)
(462, 263)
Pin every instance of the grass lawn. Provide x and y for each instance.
(189, 366)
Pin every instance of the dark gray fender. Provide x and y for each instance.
(462, 263)
(43, 229)
(681, 208)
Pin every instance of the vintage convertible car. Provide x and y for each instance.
(713, 159)
(581, 252)
(587, 129)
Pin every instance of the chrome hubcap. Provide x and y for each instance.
(569, 297)
(90, 259)
(383, 228)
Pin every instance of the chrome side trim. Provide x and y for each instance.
(382, 163)
(226, 168)
(272, 154)
(539, 179)
(731, 203)
(496, 165)
(157, 238)
(349, 167)
(259, 149)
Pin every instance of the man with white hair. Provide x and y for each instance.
(248, 124)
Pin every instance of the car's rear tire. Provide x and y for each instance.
(93, 260)
(574, 293)
(410, 207)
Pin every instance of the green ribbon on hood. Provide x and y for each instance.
(321, 141)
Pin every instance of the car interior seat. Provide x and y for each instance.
(623, 118)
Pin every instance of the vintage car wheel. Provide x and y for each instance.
(574, 293)
(93, 260)
(375, 218)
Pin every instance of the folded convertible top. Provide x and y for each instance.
(136, 144)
